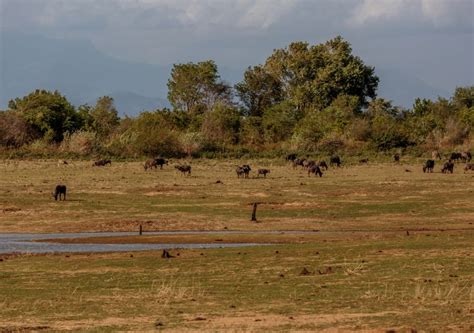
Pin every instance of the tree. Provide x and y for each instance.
(104, 117)
(258, 91)
(221, 125)
(313, 76)
(47, 112)
(463, 97)
(15, 131)
(195, 88)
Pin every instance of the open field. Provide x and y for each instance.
(375, 197)
(422, 281)
(364, 271)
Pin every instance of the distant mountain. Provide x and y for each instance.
(131, 104)
(78, 70)
(81, 72)
(403, 88)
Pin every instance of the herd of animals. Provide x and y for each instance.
(311, 166)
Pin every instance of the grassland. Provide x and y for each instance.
(363, 271)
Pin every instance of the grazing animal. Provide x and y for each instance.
(448, 167)
(102, 163)
(396, 157)
(455, 156)
(60, 191)
(316, 170)
(335, 160)
(184, 169)
(466, 156)
(298, 161)
(364, 161)
(429, 166)
(435, 155)
(243, 170)
(166, 255)
(322, 164)
(263, 172)
(469, 166)
(154, 163)
(62, 162)
(308, 164)
(291, 157)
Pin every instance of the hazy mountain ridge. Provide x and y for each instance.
(81, 72)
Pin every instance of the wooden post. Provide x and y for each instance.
(141, 230)
(254, 213)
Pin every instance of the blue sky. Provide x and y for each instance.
(432, 39)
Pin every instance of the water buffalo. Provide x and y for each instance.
(335, 160)
(364, 161)
(469, 166)
(291, 157)
(455, 156)
(154, 163)
(448, 167)
(308, 164)
(243, 170)
(263, 172)
(322, 164)
(102, 163)
(466, 156)
(60, 191)
(184, 169)
(298, 161)
(396, 157)
(429, 166)
(316, 170)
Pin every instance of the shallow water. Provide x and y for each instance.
(25, 243)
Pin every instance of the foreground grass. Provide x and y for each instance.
(121, 197)
(422, 281)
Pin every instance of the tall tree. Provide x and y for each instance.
(258, 91)
(313, 76)
(195, 88)
(104, 116)
(49, 113)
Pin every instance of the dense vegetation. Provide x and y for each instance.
(303, 98)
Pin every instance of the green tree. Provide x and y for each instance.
(195, 88)
(49, 113)
(104, 117)
(258, 91)
(221, 125)
(313, 76)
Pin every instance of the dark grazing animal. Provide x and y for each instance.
(455, 156)
(308, 164)
(184, 169)
(469, 166)
(243, 170)
(429, 166)
(154, 163)
(316, 170)
(102, 163)
(466, 156)
(298, 161)
(322, 164)
(263, 172)
(291, 157)
(396, 157)
(448, 167)
(335, 160)
(60, 191)
(364, 161)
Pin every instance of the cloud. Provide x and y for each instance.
(438, 13)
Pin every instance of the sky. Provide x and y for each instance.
(432, 39)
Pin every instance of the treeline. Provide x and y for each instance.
(303, 98)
